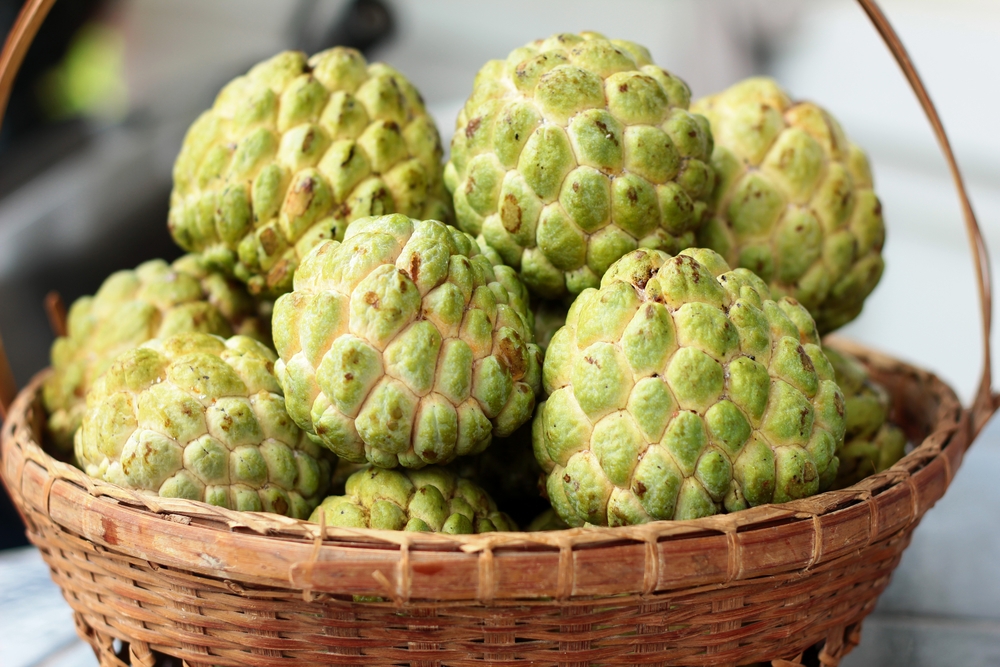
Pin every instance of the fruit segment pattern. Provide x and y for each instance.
(432, 499)
(156, 300)
(574, 151)
(793, 200)
(871, 442)
(678, 390)
(199, 417)
(404, 346)
(294, 151)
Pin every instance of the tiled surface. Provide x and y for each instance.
(918, 641)
(36, 624)
(943, 605)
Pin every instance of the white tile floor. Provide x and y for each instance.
(942, 608)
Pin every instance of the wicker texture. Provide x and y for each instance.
(214, 586)
(150, 578)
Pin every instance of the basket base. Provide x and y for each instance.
(111, 652)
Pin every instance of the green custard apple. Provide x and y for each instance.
(432, 499)
(404, 346)
(547, 520)
(155, 300)
(680, 389)
(793, 200)
(200, 417)
(572, 152)
(871, 443)
(292, 152)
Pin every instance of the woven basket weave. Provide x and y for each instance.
(156, 581)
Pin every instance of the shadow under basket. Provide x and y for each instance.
(150, 577)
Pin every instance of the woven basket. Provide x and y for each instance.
(156, 581)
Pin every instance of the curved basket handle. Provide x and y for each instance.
(984, 403)
(16, 47)
(34, 12)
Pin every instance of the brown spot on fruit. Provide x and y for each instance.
(471, 128)
(623, 88)
(510, 357)
(607, 133)
(269, 241)
(371, 298)
(278, 273)
(510, 214)
(640, 489)
(414, 267)
(807, 362)
(350, 156)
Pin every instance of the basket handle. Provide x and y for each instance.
(14, 49)
(984, 404)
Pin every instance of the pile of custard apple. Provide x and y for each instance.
(604, 309)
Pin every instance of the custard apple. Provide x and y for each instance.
(678, 390)
(156, 300)
(201, 417)
(547, 520)
(573, 151)
(508, 471)
(295, 150)
(793, 200)
(404, 346)
(871, 442)
(433, 499)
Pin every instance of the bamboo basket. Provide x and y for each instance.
(156, 581)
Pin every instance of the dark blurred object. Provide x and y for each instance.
(362, 25)
(508, 471)
(29, 141)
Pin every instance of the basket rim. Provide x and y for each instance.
(321, 558)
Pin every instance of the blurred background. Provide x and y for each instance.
(109, 87)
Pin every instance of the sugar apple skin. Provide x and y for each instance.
(872, 443)
(547, 520)
(155, 300)
(295, 150)
(404, 346)
(201, 417)
(572, 152)
(679, 390)
(432, 499)
(793, 200)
